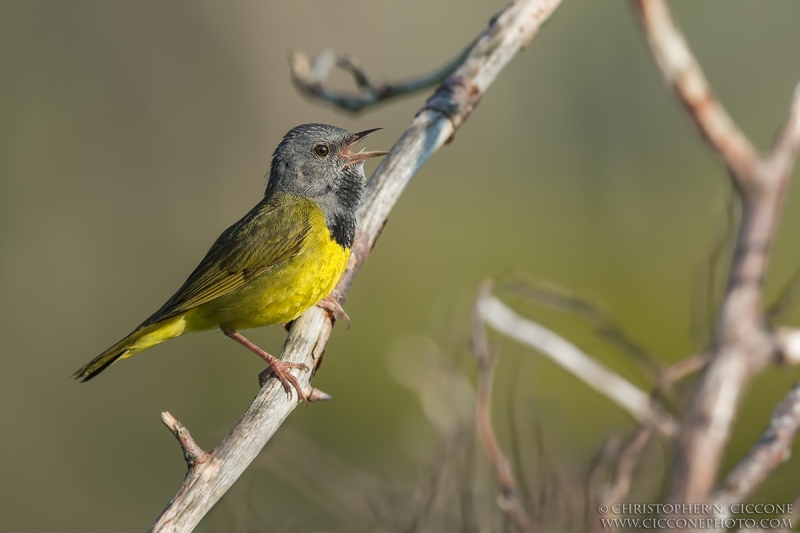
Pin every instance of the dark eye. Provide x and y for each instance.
(321, 150)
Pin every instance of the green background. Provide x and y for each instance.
(133, 133)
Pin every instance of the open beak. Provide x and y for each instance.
(356, 157)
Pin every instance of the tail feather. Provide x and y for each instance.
(104, 360)
(141, 338)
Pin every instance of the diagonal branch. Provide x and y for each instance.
(555, 297)
(434, 124)
(742, 345)
(565, 354)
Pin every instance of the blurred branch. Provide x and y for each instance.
(599, 464)
(787, 342)
(707, 287)
(509, 501)
(685, 367)
(626, 464)
(773, 448)
(599, 319)
(310, 77)
(568, 356)
(627, 457)
(742, 344)
(508, 33)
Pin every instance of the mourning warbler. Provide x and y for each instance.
(281, 258)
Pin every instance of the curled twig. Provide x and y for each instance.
(311, 78)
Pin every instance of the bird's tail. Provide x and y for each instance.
(141, 338)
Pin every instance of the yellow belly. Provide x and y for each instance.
(282, 293)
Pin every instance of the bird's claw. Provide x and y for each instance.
(334, 309)
(280, 370)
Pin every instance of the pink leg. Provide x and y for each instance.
(276, 367)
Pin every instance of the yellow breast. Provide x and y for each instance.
(283, 292)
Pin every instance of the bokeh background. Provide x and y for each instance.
(133, 133)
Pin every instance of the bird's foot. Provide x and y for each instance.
(334, 309)
(277, 368)
(280, 370)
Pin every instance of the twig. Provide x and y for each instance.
(685, 367)
(742, 345)
(310, 77)
(192, 453)
(433, 125)
(773, 448)
(565, 354)
(509, 500)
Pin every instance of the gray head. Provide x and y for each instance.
(316, 161)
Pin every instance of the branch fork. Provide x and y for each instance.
(743, 345)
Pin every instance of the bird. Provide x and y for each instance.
(281, 258)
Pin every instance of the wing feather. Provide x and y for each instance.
(270, 234)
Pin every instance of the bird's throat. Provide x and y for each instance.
(343, 228)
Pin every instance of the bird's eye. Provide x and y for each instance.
(321, 150)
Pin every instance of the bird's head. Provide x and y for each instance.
(318, 161)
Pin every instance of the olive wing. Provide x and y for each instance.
(265, 237)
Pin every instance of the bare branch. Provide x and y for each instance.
(568, 356)
(433, 125)
(773, 448)
(602, 321)
(682, 72)
(311, 78)
(742, 344)
(509, 501)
